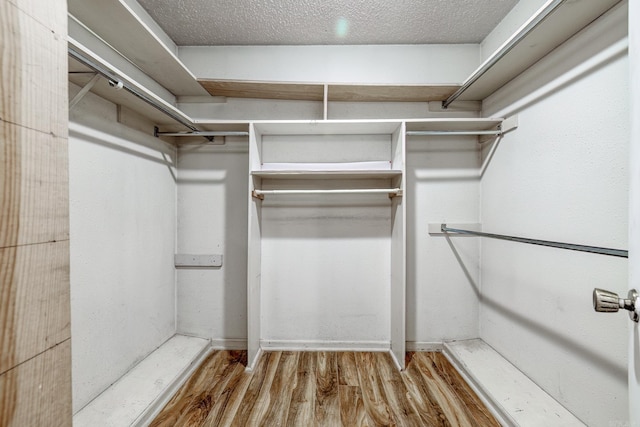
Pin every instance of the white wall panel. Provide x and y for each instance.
(562, 175)
(326, 269)
(212, 219)
(123, 218)
(400, 64)
(442, 297)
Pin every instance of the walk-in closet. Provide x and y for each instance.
(319, 213)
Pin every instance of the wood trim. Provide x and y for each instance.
(390, 93)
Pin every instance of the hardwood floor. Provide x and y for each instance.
(325, 389)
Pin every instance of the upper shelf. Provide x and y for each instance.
(129, 33)
(334, 91)
(554, 23)
(327, 174)
(126, 27)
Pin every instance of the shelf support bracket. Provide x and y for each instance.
(85, 89)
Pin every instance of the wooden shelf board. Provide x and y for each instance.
(390, 93)
(80, 75)
(326, 127)
(332, 174)
(336, 92)
(568, 19)
(120, 97)
(264, 90)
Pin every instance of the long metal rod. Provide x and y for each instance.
(339, 191)
(453, 132)
(203, 133)
(112, 77)
(551, 7)
(570, 246)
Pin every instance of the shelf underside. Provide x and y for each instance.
(335, 92)
(326, 174)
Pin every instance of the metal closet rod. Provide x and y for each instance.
(503, 51)
(394, 191)
(570, 246)
(453, 132)
(205, 133)
(114, 80)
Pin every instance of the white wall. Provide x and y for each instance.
(123, 220)
(400, 64)
(326, 271)
(442, 275)
(562, 175)
(212, 219)
(212, 209)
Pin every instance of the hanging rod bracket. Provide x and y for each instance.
(85, 89)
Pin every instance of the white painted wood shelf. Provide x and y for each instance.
(315, 91)
(565, 21)
(139, 395)
(128, 28)
(327, 174)
(513, 398)
(319, 159)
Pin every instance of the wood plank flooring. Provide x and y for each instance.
(325, 389)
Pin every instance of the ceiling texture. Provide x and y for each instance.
(326, 22)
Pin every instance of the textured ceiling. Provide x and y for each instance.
(320, 22)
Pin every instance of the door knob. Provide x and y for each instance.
(609, 302)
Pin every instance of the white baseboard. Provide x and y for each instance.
(284, 345)
(229, 344)
(424, 346)
(303, 345)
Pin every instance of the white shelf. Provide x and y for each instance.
(131, 33)
(315, 91)
(565, 21)
(141, 393)
(327, 174)
(511, 396)
(326, 127)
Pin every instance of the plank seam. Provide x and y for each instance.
(35, 356)
(23, 245)
(50, 133)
